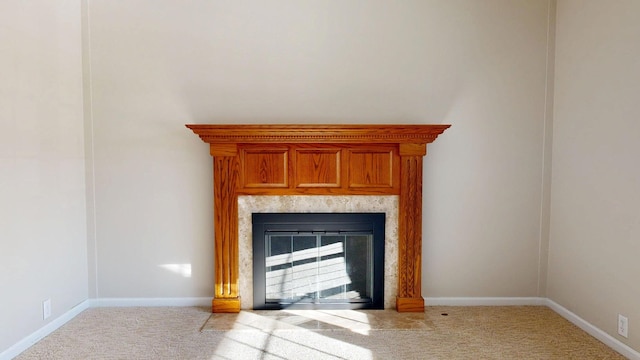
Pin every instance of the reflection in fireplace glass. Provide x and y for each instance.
(318, 260)
(324, 267)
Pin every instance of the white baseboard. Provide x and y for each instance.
(39, 334)
(150, 302)
(484, 301)
(607, 339)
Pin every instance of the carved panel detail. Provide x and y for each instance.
(225, 174)
(410, 232)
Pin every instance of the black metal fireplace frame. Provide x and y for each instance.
(262, 223)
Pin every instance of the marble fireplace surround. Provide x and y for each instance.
(248, 205)
(318, 166)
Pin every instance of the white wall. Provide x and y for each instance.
(482, 199)
(151, 66)
(156, 65)
(42, 202)
(595, 213)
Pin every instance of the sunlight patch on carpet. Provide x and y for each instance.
(359, 321)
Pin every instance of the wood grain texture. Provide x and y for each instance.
(222, 305)
(409, 304)
(318, 190)
(319, 167)
(371, 168)
(225, 149)
(265, 168)
(225, 175)
(410, 229)
(321, 133)
(316, 160)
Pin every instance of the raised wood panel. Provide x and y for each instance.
(317, 168)
(371, 168)
(265, 168)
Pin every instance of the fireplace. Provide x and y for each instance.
(318, 260)
(332, 161)
(248, 205)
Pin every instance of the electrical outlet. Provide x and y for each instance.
(46, 309)
(623, 325)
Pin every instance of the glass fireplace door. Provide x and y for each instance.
(318, 260)
(318, 267)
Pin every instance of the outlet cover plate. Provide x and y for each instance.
(623, 325)
(46, 309)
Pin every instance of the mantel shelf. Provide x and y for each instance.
(390, 134)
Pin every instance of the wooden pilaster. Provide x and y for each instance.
(409, 298)
(225, 179)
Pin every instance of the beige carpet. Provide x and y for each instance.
(357, 321)
(525, 332)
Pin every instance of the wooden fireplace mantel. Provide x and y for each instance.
(317, 160)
